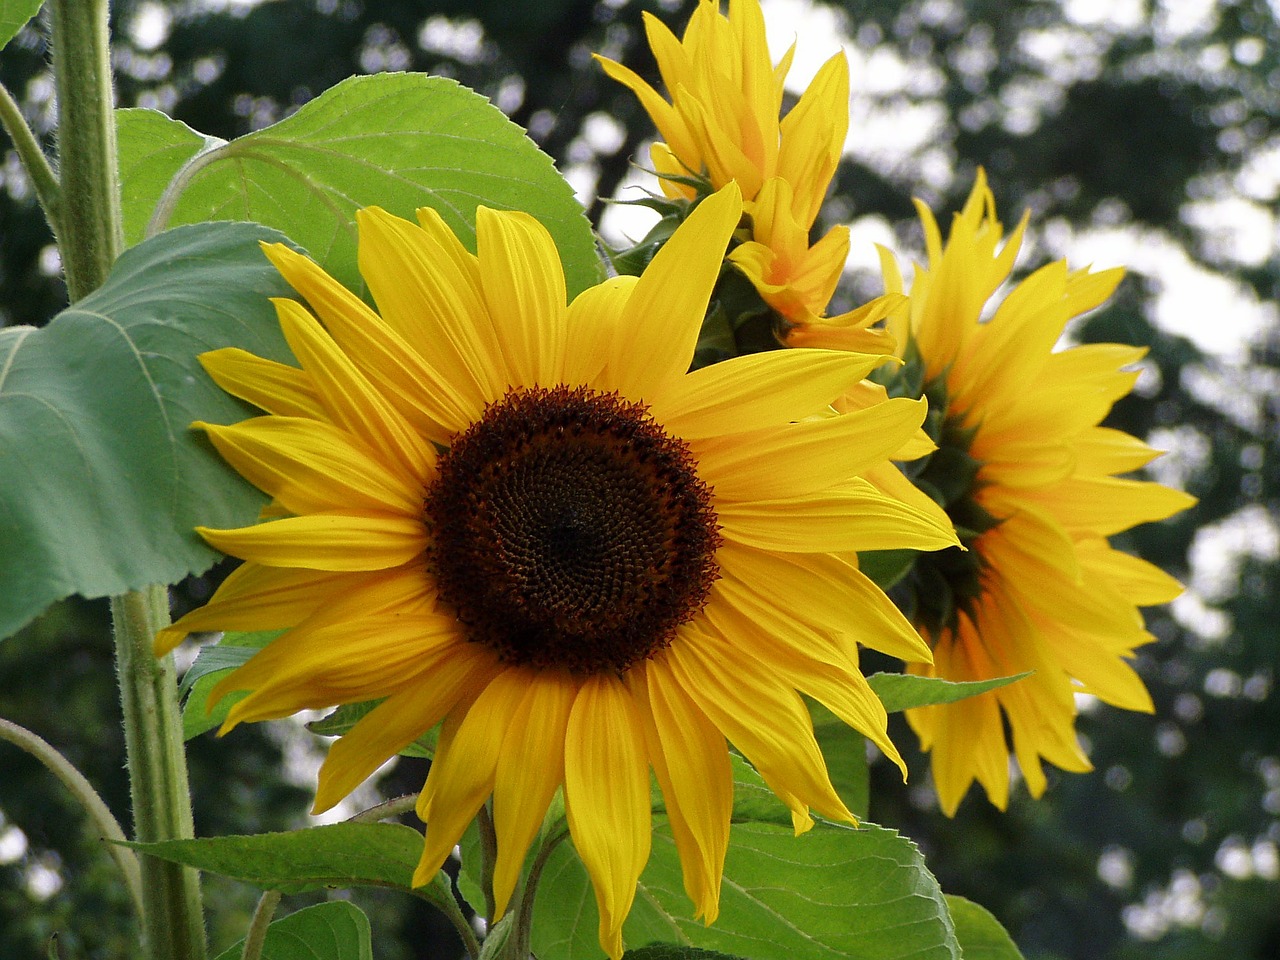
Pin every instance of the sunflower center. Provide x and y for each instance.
(569, 530)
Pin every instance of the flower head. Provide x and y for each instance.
(528, 523)
(1029, 478)
(722, 124)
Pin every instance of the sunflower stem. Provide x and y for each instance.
(89, 198)
(33, 159)
(173, 923)
(521, 942)
(89, 240)
(94, 807)
(488, 856)
(256, 936)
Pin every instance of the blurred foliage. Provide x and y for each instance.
(1145, 119)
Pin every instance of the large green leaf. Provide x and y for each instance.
(337, 855)
(327, 931)
(101, 479)
(980, 934)
(902, 691)
(14, 15)
(398, 141)
(835, 892)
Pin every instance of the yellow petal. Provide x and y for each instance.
(430, 401)
(275, 387)
(802, 459)
(530, 770)
(762, 716)
(606, 792)
(311, 466)
(348, 397)
(462, 773)
(427, 289)
(829, 675)
(592, 320)
(826, 592)
(441, 678)
(691, 760)
(255, 597)
(853, 517)
(325, 541)
(660, 323)
(759, 390)
(813, 135)
(523, 286)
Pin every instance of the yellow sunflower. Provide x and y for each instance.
(1029, 478)
(529, 523)
(722, 125)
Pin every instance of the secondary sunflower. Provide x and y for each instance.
(722, 125)
(1029, 478)
(529, 523)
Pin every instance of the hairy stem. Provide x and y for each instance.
(33, 159)
(89, 240)
(89, 201)
(174, 923)
(99, 815)
(256, 936)
(519, 945)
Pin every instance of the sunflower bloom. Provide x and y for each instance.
(722, 125)
(1030, 479)
(528, 523)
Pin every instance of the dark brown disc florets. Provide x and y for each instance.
(569, 530)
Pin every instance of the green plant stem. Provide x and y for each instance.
(80, 788)
(520, 944)
(89, 240)
(33, 159)
(173, 923)
(89, 209)
(256, 935)
(488, 857)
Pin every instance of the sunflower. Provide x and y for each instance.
(528, 523)
(722, 125)
(1029, 478)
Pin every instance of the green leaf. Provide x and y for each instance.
(337, 855)
(834, 892)
(342, 719)
(327, 931)
(902, 691)
(979, 933)
(102, 480)
(395, 140)
(14, 15)
(213, 663)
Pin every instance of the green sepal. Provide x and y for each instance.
(212, 663)
(886, 567)
(904, 691)
(340, 720)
